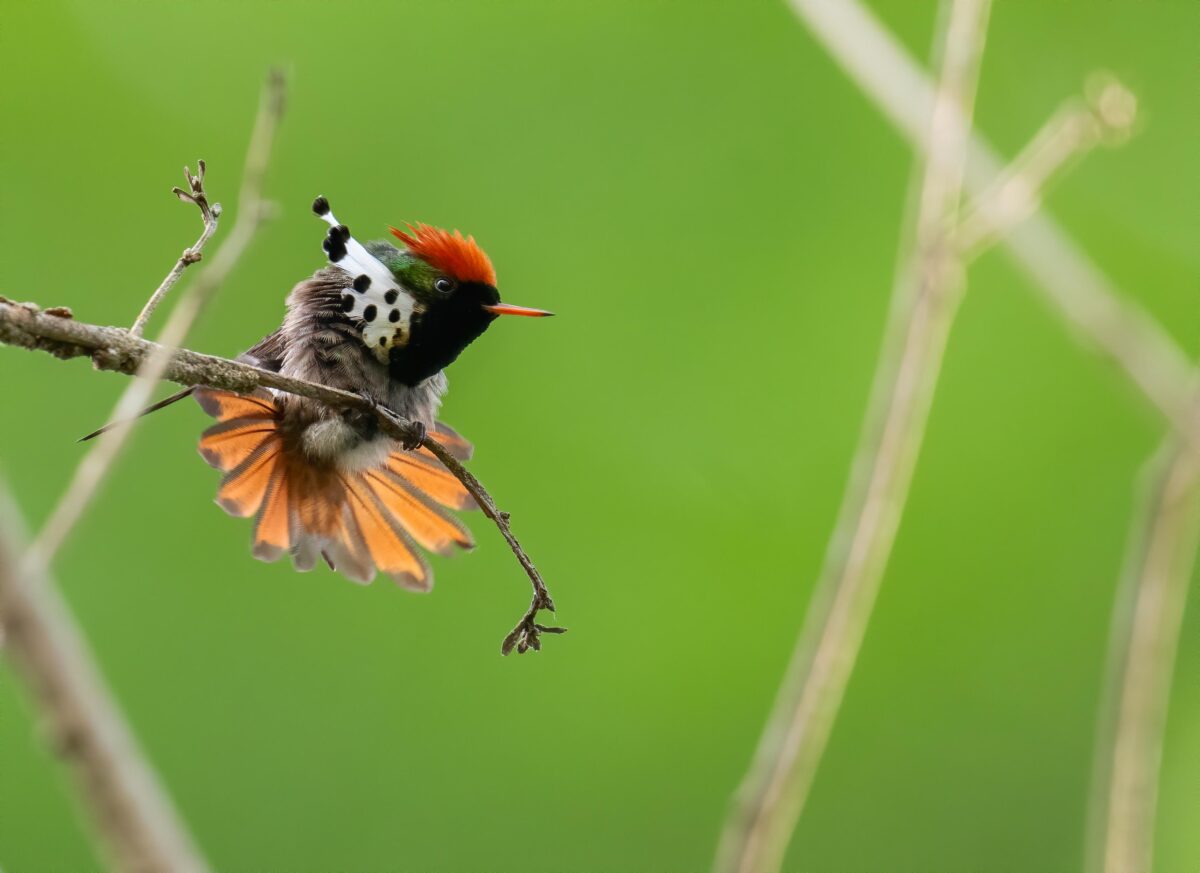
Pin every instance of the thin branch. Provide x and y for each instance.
(1142, 649)
(197, 196)
(140, 828)
(527, 633)
(928, 289)
(1070, 281)
(96, 465)
(111, 348)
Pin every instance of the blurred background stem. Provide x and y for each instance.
(119, 789)
(928, 289)
(1069, 280)
(1142, 649)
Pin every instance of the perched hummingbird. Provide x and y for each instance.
(383, 322)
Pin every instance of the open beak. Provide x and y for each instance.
(506, 309)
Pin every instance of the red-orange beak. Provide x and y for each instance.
(506, 309)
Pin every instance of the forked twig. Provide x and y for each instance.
(252, 209)
(111, 348)
(197, 196)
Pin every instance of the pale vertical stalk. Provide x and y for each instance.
(1142, 646)
(92, 470)
(140, 829)
(925, 300)
(1145, 628)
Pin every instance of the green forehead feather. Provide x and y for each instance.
(414, 274)
(412, 271)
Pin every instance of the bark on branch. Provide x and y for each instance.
(56, 331)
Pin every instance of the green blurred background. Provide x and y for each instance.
(714, 211)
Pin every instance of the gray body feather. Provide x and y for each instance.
(319, 342)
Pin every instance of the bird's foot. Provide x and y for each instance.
(415, 431)
(364, 421)
(416, 435)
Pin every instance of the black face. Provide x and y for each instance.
(440, 333)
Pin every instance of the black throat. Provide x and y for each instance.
(438, 335)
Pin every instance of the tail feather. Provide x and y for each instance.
(346, 554)
(432, 527)
(224, 445)
(384, 540)
(273, 528)
(224, 405)
(244, 487)
(358, 522)
(424, 472)
(304, 550)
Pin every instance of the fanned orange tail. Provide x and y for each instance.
(359, 522)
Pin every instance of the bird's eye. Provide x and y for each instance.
(443, 284)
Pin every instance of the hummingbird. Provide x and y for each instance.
(383, 321)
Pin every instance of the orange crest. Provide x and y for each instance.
(452, 253)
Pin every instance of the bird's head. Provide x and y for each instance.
(454, 285)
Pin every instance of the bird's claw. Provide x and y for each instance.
(414, 431)
(416, 435)
(364, 421)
